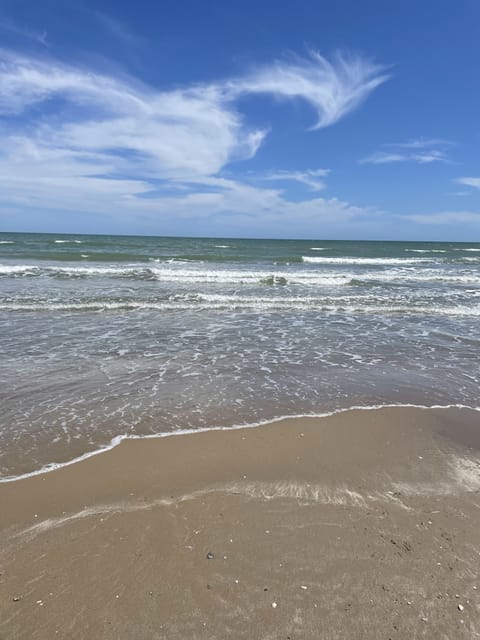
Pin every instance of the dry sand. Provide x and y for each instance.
(362, 525)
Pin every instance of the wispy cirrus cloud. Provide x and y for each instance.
(418, 150)
(74, 139)
(422, 143)
(382, 157)
(311, 178)
(469, 182)
(140, 131)
(333, 88)
(117, 29)
(40, 37)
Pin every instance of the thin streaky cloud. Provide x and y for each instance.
(447, 217)
(421, 143)
(427, 157)
(118, 29)
(40, 37)
(312, 178)
(381, 157)
(419, 151)
(469, 182)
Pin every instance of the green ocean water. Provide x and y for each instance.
(127, 249)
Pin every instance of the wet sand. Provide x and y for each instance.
(365, 524)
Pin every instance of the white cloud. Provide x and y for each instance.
(237, 197)
(117, 29)
(78, 140)
(422, 143)
(420, 151)
(162, 134)
(312, 178)
(429, 156)
(469, 182)
(332, 88)
(447, 217)
(39, 37)
(381, 157)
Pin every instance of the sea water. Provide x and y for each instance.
(104, 336)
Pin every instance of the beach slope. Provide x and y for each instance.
(365, 524)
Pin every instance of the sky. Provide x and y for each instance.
(332, 119)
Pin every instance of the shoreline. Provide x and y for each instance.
(361, 524)
(117, 440)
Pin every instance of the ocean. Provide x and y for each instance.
(103, 337)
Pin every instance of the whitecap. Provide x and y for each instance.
(426, 250)
(366, 261)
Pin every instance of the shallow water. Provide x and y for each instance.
(104, 335)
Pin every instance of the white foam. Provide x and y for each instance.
(178, 273)
(238, 276)
(426, 250)
(213, 302)
(463, 476)
(366, 261)
(301, 491)
(6, 241)
(94, 271)
(37, 269)
(420, 275)
(7, 269)
(466, 473)
(251, 425)
(68, 241)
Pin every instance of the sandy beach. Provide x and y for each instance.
(364, 524)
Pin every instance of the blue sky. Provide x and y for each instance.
(340, 119)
